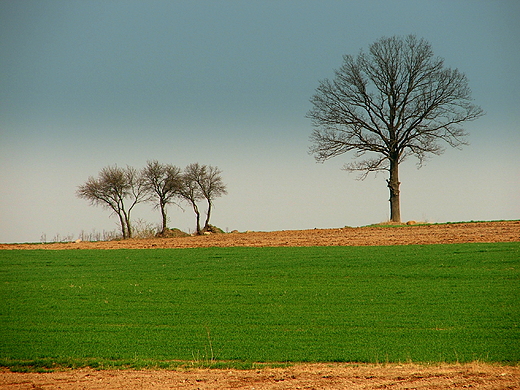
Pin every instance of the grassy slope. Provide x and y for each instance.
(365, 304)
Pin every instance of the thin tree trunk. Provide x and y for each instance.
(122, 222)
(198, 221)
(197, 213)
(393, 186)
(163, 213)
(208, 215)
(128, 225)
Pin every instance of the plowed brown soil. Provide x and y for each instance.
(300, 376)
(506, 231)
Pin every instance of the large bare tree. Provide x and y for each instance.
(163, 182)
(202, 182)
(393, 102)
(118, 189)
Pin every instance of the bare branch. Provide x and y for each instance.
(367, 166)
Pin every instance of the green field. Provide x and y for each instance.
(362, 304)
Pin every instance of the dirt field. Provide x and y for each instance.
(305, 376)
(300, 376)
(419, 234)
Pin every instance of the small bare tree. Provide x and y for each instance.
(190, 190)
(137, 193)
(113, 189)
(202, 182)
(212, 186)
(395, 101)
(163, 182)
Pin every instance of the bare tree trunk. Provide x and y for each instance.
(393, 186)
(198, 221)
(163, 213)
(197, 214)
(128, 225)
(122, 222)
(208, 215)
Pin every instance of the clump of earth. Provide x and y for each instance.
(171, 233)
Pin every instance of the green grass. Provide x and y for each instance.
(209, 306)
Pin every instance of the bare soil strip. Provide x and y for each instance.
(299, 376)
(506, 231)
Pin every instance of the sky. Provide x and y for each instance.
(89, 84)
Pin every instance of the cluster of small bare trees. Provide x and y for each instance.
(120, 189)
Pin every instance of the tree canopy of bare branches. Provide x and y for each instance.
(202, 182)
(393, 102)
(118, 189)
(163, 183)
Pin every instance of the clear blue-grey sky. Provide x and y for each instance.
(87, 84)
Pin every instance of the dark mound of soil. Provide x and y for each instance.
(172, 233)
